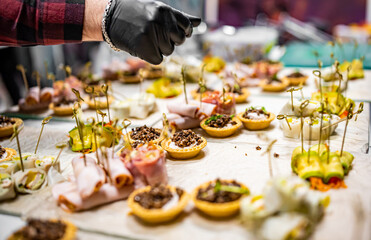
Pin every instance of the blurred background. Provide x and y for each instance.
(287, 30)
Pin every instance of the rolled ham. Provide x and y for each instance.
(119, 174)
(33, 96)
(68, 197)
(147, 164)
(46, 95)
(183, 122)
(89, 178)
(192, 110)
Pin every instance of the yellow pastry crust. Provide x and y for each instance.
(152, 74)
(156, 141)
(61, 111)
(221, 132)
(157, 215)
(243, 97)
(8, 130)
(186, 153)
(100, 104)
(10, 153)
(274, 88)
(295, 81)
(216, 209)
(256, 124)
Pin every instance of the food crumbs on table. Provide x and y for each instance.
(258, 148)
(276, 155)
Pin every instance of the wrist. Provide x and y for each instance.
(92, 30)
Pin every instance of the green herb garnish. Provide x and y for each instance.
(234, 189)
(213, 118)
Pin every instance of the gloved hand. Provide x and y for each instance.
(148, 29)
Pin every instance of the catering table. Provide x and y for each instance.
(235, 157)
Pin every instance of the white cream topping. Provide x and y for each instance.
(255, 116)
(173, 146)
(172, 203)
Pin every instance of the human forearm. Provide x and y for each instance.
(92, 30)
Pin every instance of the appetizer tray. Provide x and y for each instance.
(236, 157)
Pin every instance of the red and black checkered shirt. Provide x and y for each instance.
(41, 22)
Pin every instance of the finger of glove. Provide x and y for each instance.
(165, 44)
(183, 22)
(195, 21)
(149, 51)
(177, 35)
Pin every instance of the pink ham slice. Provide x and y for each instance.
(46, 95)
(192, 109)
(68, 197)
(89, 178)
(185, 122)
(147, 165)
(33, 96)
(120, 175)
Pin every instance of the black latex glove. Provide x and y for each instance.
(148, 29)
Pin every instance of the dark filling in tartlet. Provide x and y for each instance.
(5, 121)
(63, 102)
(2, 151)
(42, 230)
(145, 134)
(219, 121)
(274, 80)
(186, 138)
(295, 75)
(157, 197)
(258, 111)
(209, 194)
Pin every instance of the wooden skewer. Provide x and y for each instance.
(44, 121)
(23, 72)
(184, 84)
(15, 135)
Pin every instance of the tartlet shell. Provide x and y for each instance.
(61, 111)
(156, 141)
(100, 104)
(8, 130)
(183, 153)
(242, 98)
(295, 81)
(274, 88)
(256, 124)
(157, 215)
(221, 132)
(216, 209)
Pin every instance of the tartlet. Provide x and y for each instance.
(186, 152)
(217, 209)
(149, 133)
(7, 129)
(241, 98)
(129, 78)
(157, 215)
(9, 153)
(296, 78)
(224, 131)
(37, 227)
(267, 85)
(101, 104)
(256, 124)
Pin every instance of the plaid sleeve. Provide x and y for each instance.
(41, 22)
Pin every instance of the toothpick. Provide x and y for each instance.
(44, 121)
(102, 114)
(318, 74)
(284, 116)
(114, 136)
(79, 128)
(56, 162)
(165, 129)
(346, 83)
(268, 151)
(359, 111)
(310, 136)
(107, 168)
(52, 77)
(202, 83)
(349, 116)
(320, 127)
(328, 141)
(104, 88)
(184, 83)
(340, 79)
(126, 123)
(303, 105)
(23, 72)
(91, 91)
(36, 75)
(15, 135)
(291, 91)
